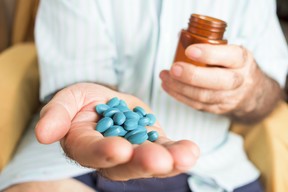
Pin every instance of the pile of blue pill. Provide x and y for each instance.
(118, 120)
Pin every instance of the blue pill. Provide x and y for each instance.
(152, 119)
(131, 115)
(137, 130)
(130, 124)
(115, 130)
(113, 102)
(104, 124)
(140, 114)
(123, 132)
(101, 108)
(110, 112)
(153, 136)
(123, 103)
(119, 118)
(139, 110)
(144, 121)
(122, 108)
(138, 138)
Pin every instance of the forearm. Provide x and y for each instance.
(261, 101)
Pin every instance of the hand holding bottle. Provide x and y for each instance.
(232, 83)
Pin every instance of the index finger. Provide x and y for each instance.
(229, 56)
(213, 78)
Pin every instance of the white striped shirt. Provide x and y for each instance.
(126, 43)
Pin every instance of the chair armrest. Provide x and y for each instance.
(266, 144)
(19, 85)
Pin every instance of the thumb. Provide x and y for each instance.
(56, 117)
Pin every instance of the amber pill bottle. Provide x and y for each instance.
(201, 29)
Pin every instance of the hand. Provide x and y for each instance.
(232, 84)
(71, 118)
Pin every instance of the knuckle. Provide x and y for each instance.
(186, 90)
(205, 97)
(209, 96)
(170, 84)
(250, 57)
(175, 95)
(217, 97)
(236, 80)
(228, 106)
(183, 89)
(217, 110)
(192, 78)
(222, 109)
(211, 60)
(197, 106)
(244, 54)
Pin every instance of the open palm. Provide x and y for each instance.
(70, 118)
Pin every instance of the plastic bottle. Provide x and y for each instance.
(201, 29)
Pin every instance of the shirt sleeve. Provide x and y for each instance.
(266, 39)
(74, 44)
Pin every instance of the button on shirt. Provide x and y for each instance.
(126, 43)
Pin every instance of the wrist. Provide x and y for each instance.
(260, 100)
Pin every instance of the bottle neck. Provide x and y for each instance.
(207, 27)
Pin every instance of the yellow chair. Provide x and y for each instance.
(266, 143)
(19, 81)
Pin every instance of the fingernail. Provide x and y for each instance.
(194, 52)
(177, 70)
